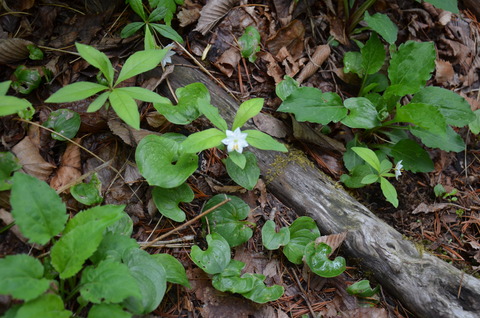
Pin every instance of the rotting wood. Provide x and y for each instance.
(426, 285)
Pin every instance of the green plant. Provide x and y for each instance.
(94, 261)
(26, 80)
(365, 294)
(10, 105)
(8, 164)
(250, 43)
(64, 121)
(122, 99)
(440, 192)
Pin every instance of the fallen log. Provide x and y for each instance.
(426, 285)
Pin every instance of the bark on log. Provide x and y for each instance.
(426, 285)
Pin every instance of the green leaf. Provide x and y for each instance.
(286, 87)
(423, 116)
(163, 162)
(262, 294)
(157, 14)
(64, 121)
(27, 79)
(439, 190)
(385, 167)
(38, 210)
(108, 310)
(167, 200)
(125, 107)
(109, 282)
(216, 258)
(202, 140)
(350, 158)
(211, 112)
(263, 141)
(88, 193)
(353, 63)
(98, 102)
(369, 156)
(149, 41)
(10, 105)
(382, 24)
(316, 257)
(190, 99)
(142, 94)
(389, 191)
(137, 7)
(373, 55)
(302, 231)
(167, 32)
(175, 271)
(75, 91)
(450, 141)
(354, 179)
(45, 306)
(273, 240)
(237, 159)
(113, 246)
(151, 279)
(234, 284)
(414, 157)
(410, 67)
(246, 177)
(362, 113)
(474, 125)
(310, 104)
(362, 289)
(8, 164)
(249, 44)
(247, 110)
(130, 29)
(226, 220)
(96, 59)
(123, 226)
(22, 277)
(449, 5)
(370, 178)
(140, 62)
(4, 86)
(102, 216)
(453, 107)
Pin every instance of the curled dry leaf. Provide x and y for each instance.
(291, 36)
(424, 208)
(31, 160)
(273, 69)
(189, 13)
(291, 65)
(212, 12)
(332, 240)
(321, 54)
(228, 61)
(70, 167)
(13, 50)
(444, 72)
(129, 135)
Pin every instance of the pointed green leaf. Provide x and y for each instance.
(414, 157)
(45, 306)
(302, 231)
(130, 29)
(167, 200)
(273, 240)
(382, 24)
(373, 55)
(370, 178)
(211, 112)
(149, 41)
(216, 258)
(354, 179)
(4, 86)
(202, 140)
(125, 107)
(157, 14)
(246, 177)
(449, 5)
(286, 87)
(10, 105)
(449, 141)
(108, 310)
(423, 116)
(140, 62)
(167, 32)
(362, 113)
(247, 110)
(175, 271)
(389, 191)
(142, 94)
(98, 102)
(263, 141)
(137, 7)
(103, 216)
(97, 59)
(237, 159)
(38, 210)
(369, 156)
(316, 257)
(75, 91)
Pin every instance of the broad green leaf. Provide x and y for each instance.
(22, 277)
(247, 110)
(350, 158)
(167, 200)
(385, 166)
(234, 268)
(449, 5)
(353, 63)
(226, 220)
(234, 284)
(140, 62)
(38, 210)
(302, 231)
(123, 226)
(125, 107)
(271, 239)
(286, 87)
(202, 140)
(453, 107)
(211, 112)
(8, 164)
(263, 141)
(389, 191)
(109, 282)
(423, 116)
(35, 53)
(137, 7)
(354, 179)
(362, 289)
(249, 44)
(151, 278)
(98, 102)
(382, 24)
(64, 121)
(414, 157)
(163, 162)
(113, 246)
(316, 257)
(149, 41)
(175, 271)
(45, 306)
(310, 104)
(10, 105)
(142, 94)
(88, 193)
(474, 125)
(97, 59)
(26, 79)
(262, 294)
(108, 310)
(369, 156)
(246, 177)
(237, 159)
(130, 29)
(75, 91)
(187, 109)
(370, 178)
(450, 141)
(157, 14)
(375, 83)
(4, 86)
(410, 67)
(102, 216)
(216, 258)
(373, 55)
(362, 113)
(167, 32)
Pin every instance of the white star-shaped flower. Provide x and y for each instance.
(236, 140)
(168, 56)
(398, 169)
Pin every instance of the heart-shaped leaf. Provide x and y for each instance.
(246, 177)
(302, 231)
(261, 294)
(217, 256)
(316, 257)
(174, 269)
(167, 200)
(273, 240)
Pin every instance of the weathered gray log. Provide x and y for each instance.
(426, 285)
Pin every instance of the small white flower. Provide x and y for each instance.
(236, 140)
(168, 56)
(398, 169)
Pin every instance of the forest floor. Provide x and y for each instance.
(448, 227)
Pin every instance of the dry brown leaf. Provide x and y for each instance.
(228, 61)
(270, 125)
(212, 12)
(13, 50)
(291, 37)
(332, 240)
(321, 54)
(424, 208)
(70, 167)
(129, 135)
(444, 72)
(291, 65)
(189, 13)
(337, 30)
(31, 160)
(273, 69)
